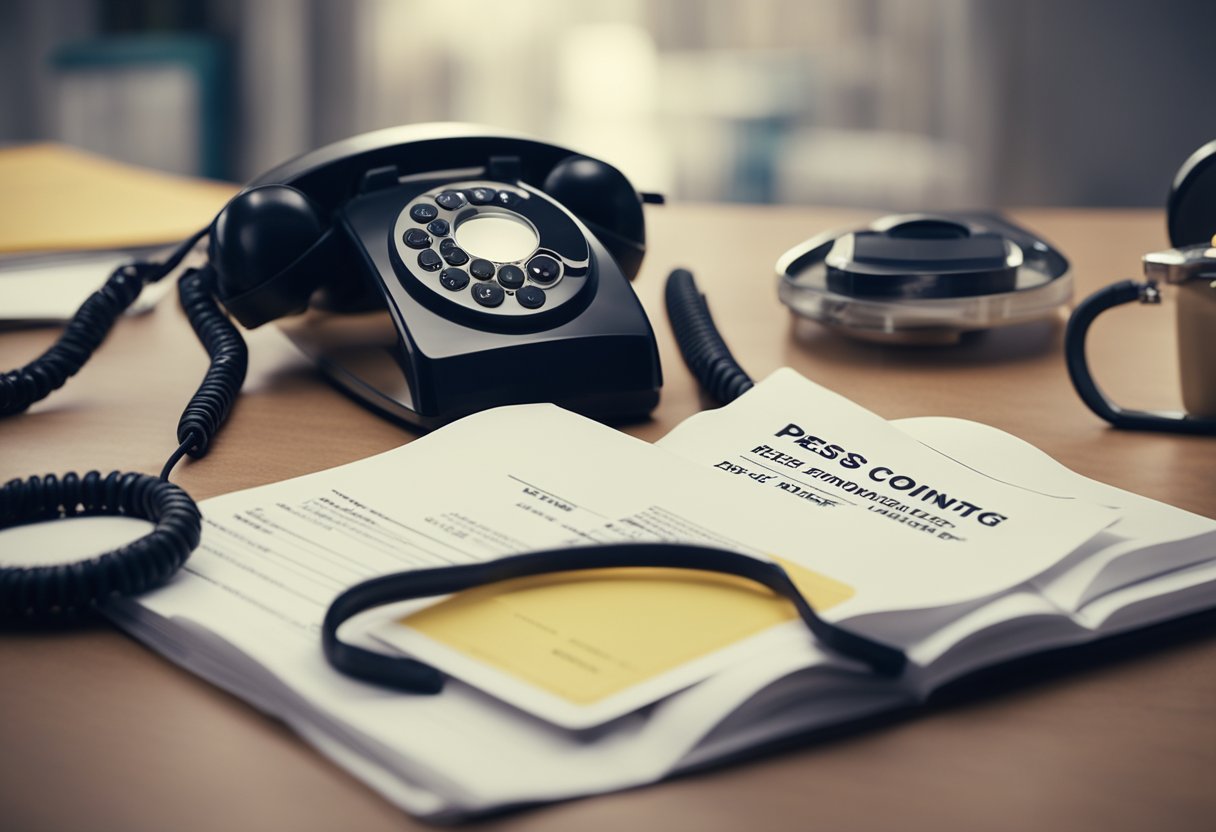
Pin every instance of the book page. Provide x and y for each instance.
(1149, 539)
(802, 443)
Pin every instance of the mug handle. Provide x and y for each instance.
(1082, 317)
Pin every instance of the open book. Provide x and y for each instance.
(958, 543)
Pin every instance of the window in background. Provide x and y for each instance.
(883, 104)
(776, 101)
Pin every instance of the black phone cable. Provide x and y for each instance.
(229, 355)
(84, 333)
(700, 343)
(64, 593)
(413, 676)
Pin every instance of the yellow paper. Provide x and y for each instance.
(55, 197)
(585, 636)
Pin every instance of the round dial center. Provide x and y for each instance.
(496, 237)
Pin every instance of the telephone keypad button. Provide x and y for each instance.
(506, 199)
(417, 238)
(544, 269)
(481, 269)
(446, 245)
(531, 297)
(451, 200)
(423, 212)
(453, 279)
(511, 277)
(429, 260)
(439, 228)
(481, 196)
(488, 294)
(455, 256)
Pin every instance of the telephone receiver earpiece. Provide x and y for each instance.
(1191, 266)
(271, 249)
(606, 202)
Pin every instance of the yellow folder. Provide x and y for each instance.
(56, 197)
(584, 636)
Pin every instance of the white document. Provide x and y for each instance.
(473, 492)
(799, 442)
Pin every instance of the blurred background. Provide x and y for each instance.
(883, 104)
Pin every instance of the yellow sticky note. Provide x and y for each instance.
(586, 636)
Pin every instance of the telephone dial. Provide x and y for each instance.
(430, 271)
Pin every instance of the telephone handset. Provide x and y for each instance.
(492, 270)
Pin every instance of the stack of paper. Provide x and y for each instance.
(959, 543)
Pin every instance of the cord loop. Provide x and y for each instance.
(64, 592)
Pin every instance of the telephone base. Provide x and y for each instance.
(358, 355)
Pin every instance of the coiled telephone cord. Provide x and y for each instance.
(700, 343)
(211, 403)
(36, 595)
(83, 334)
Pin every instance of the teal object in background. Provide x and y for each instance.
(161, 100)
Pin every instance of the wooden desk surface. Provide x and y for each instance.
(99, 733)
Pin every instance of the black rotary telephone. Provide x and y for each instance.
(431, 272)
(499, 267)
